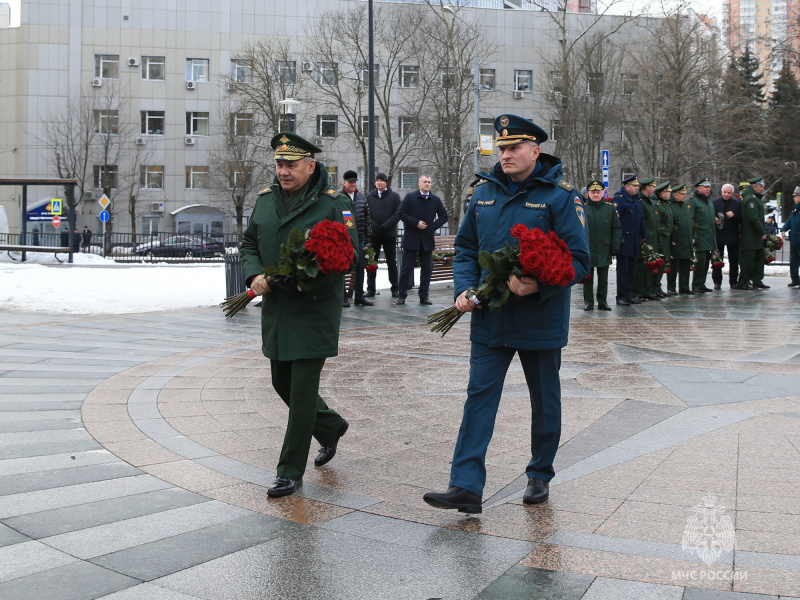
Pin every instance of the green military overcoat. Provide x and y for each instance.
(651, 208)
(306, 326)
(665, 228)
(604, 231)
(682, 225)
(705, 229)
(753, 229)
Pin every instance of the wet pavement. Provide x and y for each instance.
(135, 452)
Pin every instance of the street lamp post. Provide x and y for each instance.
(476, 90)
(289, 105)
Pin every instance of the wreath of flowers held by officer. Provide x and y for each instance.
(324, 249)
(542, 256)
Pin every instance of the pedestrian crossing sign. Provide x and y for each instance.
(55, 206)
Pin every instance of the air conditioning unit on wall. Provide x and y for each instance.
(133, 62)
(519, 95)
(308, 66)
(189, 141)
(190, 85)
(157, 207)
(140, 141)
(97, 82)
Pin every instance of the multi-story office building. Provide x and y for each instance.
(170, 61)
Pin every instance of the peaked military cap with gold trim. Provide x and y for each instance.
(663, 187)
(756, 180)
(679, 189)
(632, 180)
(290, 146)
(645, 181)
(703, 182)
(595, 185)
(515, 130)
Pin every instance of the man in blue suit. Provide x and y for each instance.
(422, 214)
(525, 188)
(631, 217)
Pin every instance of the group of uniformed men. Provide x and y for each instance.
(684, 233)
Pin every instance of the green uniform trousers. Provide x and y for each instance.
(679, 271)
(701, 269)
(602, 286)
(642, 282)
(751, 263)
(297, 383)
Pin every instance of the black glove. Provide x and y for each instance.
(288, 285)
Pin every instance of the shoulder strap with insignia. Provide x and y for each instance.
(566, 186)
(478, 181)
(332, 193)
(265, 191)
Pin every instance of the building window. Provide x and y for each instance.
(151, 177)
(594, 83)
(630, 84)
(197, 70)
(196, 178)
(409, 76)
(487, 127)
(196, 123)
(241, 124)
(363, 75)
(286, 71)
(365, 124)
(447, 77)
(288, 122)
(628, 132)
(406, 127)
(487, 79)
(106, 66)
(523, 80)
(556, 81)
(555, 130)
(241, 71)
(106, 121)
(105, 176)
(448, 128)
(409, 178)
(153, 68)
(240, 176)
(333, 173)
(150, 225)
(327, 126)
(152, 122)
(326, 73)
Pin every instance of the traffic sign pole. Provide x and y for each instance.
(605, 162)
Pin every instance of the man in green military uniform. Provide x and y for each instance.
(604, 233)
(680, 242)
(299, 330)
(705, 232)
(643, 284)
(752, 234)
(663, 195)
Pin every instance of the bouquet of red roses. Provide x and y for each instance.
(771, 245)
(716, 260)
(542, 256)
(653, 261)
(371, 262)
(323, 249)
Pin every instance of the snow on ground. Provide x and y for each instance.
(95, 285)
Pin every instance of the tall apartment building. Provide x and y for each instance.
(768, 27)
(172, 57)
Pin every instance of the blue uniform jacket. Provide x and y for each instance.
(631, 217)
(539, 321)
(793, 226)
(415, 208)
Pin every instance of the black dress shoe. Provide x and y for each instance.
(744, 287)
(284, 487)
(346, 303)
(672, 293)
(401, 301)
(761, 286)
(395, 295)
(588, 307)
(364, 302)
(635, 301)
(687, 292)
(663, 294)
(536, 492)
(326, 453)
(717, 286)
(653, 297)
(456, 497)
(370, 294)
(622, 302)
(603, 307)
(707, 289)
(425, 301)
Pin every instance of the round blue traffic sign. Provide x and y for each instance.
(104, 216)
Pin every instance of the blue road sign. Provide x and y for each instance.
(55, 206)
(605, 159)
(104, 216)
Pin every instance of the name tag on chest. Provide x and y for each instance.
(535, 205)
(484, 202)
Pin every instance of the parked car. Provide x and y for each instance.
(183, 245)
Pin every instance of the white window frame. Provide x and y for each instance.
(106, 122)
(555, 130)
(409, 175)
(113, 173)
(447, 77)
(106, 66)
(406, 127)
(595, 79)
(150, 64)
(151, 177)
(239, 172)
(488, 79)
(238, 121)
(333, 173)
(365, 124)
(196, 177)
(363, 74)
(327, 73)
(194, 123)
(409, 76)
(556, 82)
(519, 76)
(284, 67)
(152, 115)
(241, 70)
(197, 70)
(327, 120)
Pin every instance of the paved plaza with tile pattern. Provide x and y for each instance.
(135, 452)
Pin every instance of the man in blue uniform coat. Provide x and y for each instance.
(631, 218)
(525, 187)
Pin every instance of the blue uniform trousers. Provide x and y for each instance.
(407, 271)
(488, 368)
(625, 268)
(794, 262)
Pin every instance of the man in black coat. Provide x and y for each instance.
(64, 238)
(361, 215)
(422, 214)
(727, 234)
(86, 238)
(383, 217)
